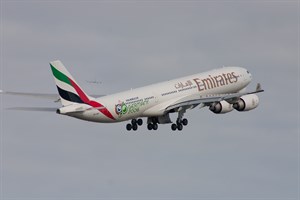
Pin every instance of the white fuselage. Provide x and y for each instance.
(151, 101)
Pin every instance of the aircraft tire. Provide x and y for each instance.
(133, 121)
(180, 127)
(134, 127)
(155, 126)
(128, 127)
(173, 127)
(140, 122)
(150, 127)
(185, 122)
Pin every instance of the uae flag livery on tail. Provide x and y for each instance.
(70, 92)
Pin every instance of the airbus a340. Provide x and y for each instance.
(221, 90)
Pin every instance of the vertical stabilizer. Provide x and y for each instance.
(69, 91)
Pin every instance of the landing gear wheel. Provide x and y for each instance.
(155, 126)
(173, 127)
(179, 127)
(140, 122)
(133, 121)
(150, 127)
(185, 122)
(134, 127)
(128, 127)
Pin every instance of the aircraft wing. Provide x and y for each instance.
(192, 102)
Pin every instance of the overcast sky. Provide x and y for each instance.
(127, 44)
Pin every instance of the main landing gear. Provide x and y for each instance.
(135, 123)
(179, 124)
(152, 123)
(152, 126)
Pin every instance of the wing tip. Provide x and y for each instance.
(259, 88)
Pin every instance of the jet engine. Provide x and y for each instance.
(220, 107)
(246, 102)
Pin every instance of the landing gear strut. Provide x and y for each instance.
(135, 123)
(152, 126)
(152, 123)
(180, 122)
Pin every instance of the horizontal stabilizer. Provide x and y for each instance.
(41, 109)
(53, 97)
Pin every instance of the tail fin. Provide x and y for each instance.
(69, 91)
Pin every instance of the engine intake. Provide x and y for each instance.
(246, 103)
(220, 107)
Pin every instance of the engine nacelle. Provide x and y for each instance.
(247, 102)
(221, 107)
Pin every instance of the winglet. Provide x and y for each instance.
(258, 88)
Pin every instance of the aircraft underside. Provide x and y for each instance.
(152, 123)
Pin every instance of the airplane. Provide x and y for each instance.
(221, 90)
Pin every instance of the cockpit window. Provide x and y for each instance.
(248, 72)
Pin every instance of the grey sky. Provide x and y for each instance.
(128, 44)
